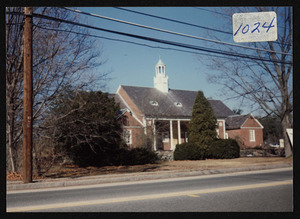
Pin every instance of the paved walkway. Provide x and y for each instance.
(113, 178)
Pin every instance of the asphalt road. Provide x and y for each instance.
(268, 190)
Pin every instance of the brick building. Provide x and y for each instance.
(159, 116)
(246, 129)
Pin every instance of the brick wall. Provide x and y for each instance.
(130, 120)
(137, 130)
(138, 137)
(243, 137)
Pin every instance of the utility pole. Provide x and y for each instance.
(27, 107)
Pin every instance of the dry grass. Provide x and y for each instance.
(229, 163)
(75, 171)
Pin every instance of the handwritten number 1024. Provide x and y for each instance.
(246, 28)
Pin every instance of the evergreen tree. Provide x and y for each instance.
(85, 126)
(202, 130)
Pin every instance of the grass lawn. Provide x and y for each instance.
(60, 171)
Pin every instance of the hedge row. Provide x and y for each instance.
(224, 149)
(135, 156)
(121, 156)
(219, 149)
(189, 151)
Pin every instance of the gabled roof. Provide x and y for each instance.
(236, 121)
(119, 100)
(174, 103)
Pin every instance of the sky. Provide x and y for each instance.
(134, 65)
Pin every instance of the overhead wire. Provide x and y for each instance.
(173, 20)
(204, 9)
(135, 43)
(221, 13)
(188, 24)
(153, 39)
(160, 40)
(171, 32)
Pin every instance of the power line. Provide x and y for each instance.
(173, 20)
(154, 39)
(212, 11)
(135, 43)
(160, 40)
(171, 32)
(231, 17)
(189, 24)
(221, 13)
(185, 23)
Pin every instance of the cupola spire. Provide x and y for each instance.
(161, 80)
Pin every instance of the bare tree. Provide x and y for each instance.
(62, 54)
(262, 84)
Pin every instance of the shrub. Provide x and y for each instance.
(84, 156)
(223, 149)
(135, 156)
(121, 156)
(189, 151)
(143, 156)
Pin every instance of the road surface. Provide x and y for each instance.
(255, 191)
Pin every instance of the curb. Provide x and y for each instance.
(100, 179)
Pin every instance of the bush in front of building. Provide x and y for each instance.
(223, 149)
(189, 151)
(142, 156)
(135, 156)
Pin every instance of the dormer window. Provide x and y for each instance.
(153, 103)
(178, 104)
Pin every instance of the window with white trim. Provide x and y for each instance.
(186, 137)
(165, 137)
(252, 135)
(127, 136)
(218, 133)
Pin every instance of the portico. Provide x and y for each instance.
(167, 133)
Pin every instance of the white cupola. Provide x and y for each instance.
(161, 80)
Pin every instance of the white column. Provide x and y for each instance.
(171, 135)
(154, 133)
(179, 132)
(145, 125)
(224, 129)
